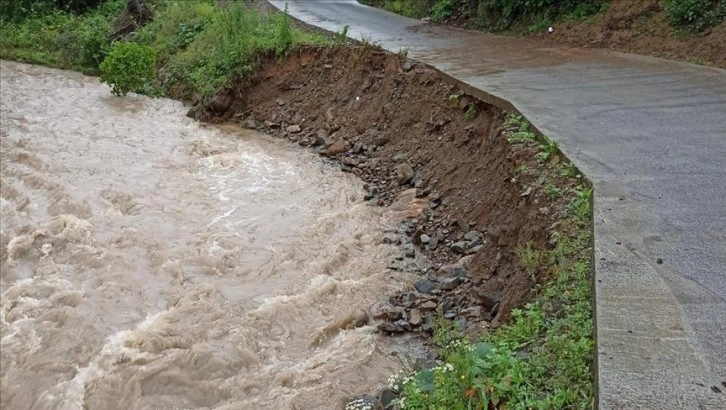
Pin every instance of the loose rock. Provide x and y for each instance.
(425, 286)
(460, 247)
(471, 236)
(389, 328)
(415, 318)
(386, 397)
(428, 305)
(450, 283)
(321, 137)
(293, 129)
(461, 223)
(404, 173)
(338, 147)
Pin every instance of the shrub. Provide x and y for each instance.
(128, 67)
(695, 14)
(93, 35)
(443, 9)
(17, 10)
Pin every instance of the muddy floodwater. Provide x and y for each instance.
(150, 262)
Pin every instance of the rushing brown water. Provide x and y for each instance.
(149, 262)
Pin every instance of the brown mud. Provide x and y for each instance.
(425, 149)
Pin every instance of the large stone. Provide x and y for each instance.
(293, 129)
(452, 270)
(379, 141)
(321, 137)
(387, 312)
(425, 286)
(490, 300)
(450, 283)
(414, 317)
(461, 223)
(429, 305)
(403, 325)
(472, 311)
(460, 247)
(386, 397)
(404, 173)
(338, 147)
(390, 328)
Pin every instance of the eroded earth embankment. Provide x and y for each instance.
(472, 200)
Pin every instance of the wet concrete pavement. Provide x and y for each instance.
(651, 134)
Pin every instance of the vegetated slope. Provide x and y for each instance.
(689, 30)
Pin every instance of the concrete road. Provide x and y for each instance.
(651, 134)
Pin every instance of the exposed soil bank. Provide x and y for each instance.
(641, 27)
(402, 126)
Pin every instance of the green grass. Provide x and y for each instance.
(542, 359)
(60, 39)
(199, 47)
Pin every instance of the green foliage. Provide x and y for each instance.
(199, 47)
(202, 48)
(18, 10)
(128, 67)
(504, 14)
(60, 39)
(553, 193)
(342, 36)
(547, 149)
(408, 8)
(470, 111)
(93, 35)
(696, 15)
(581, 205)
(443, 9)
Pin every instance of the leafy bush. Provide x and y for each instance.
(443, 9)
(17, 10)
(128, 67)
(503, 14)
(60, 39)
(408, 8)
(695, 14)
(93, 36)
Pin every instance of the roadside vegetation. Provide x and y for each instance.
(190, 50)
(533, 16)
(543, 358)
